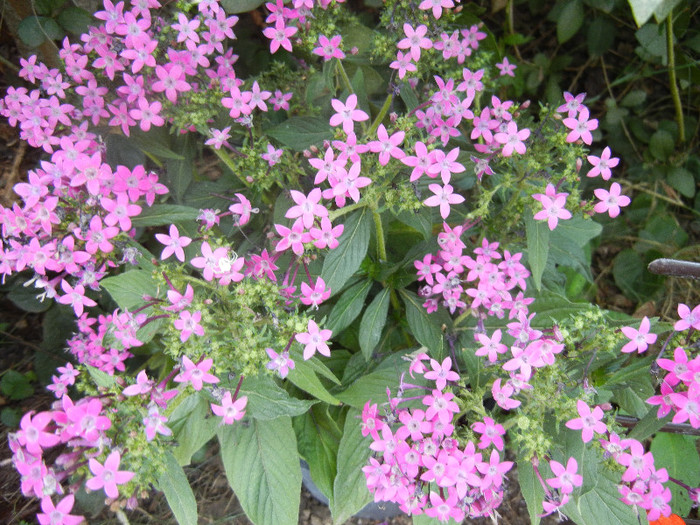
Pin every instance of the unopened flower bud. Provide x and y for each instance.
(393, 116)
(525, 104)
(354, 50)
(313, 149)
(579, 164)
(306, 153)
(249, 179)
(605, 406)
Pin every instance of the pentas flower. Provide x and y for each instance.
(142, 386)
(639, 339)
(328, 49)
(316, 295)
(491, 433)
(120, 211)
(581, 127)
(572, 104)
(307, 207)
(219, 137)
(174, 244)
(326, 235)
(347, 114)
(554, 207)
(108, 476)
(688, 318)
(58, 514)
(565, 478)
(230, 410)
(188, 323)
(243, 209)
(196, 374)
(387, 146)
(178, 301)
(75, 297)
(171, 80)
(676, 366)
(589, 422)
(415, 40)
(436, 6)
(282, 363)
(502, 395)
(280, 100)
(273, 155)
(513, 139)
(314, 340)
(611, 201)
(443, 198)
(601, 165)
(279, 35)
(403, 64)
(505, 68)
(32, 434)
(493, 471)
(154, 423)
(293, 237)
(441, 373)
(492, 346)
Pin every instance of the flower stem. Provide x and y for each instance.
(344, 75)
(381, 244)
(672, 77)
(382, 113)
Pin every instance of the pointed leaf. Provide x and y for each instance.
(266, 400)
(537, 248)
(373, 322)
(127, 289)
(191, 427)
(348, 307)
(350, 488)
(164, 214)
(262, 467)
(531, 489)
(301, 132)
(679, 455)
(424, 326)
(178, 492)
(342, 262)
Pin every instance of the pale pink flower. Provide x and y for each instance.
(108, 476)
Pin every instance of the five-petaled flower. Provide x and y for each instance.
(589, 422)
(108, 476)
(230, 410)
(314, 340)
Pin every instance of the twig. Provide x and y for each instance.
(674, 428)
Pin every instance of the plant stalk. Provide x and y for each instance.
(672, 77)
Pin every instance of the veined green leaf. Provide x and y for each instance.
(266, 400)
(537, 248)
(423, 325)
(342, 262)
(373, 322)
(178, 492)
(163, 214)
(348, 307)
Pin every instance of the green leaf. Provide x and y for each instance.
(318, 437)
(567, 242)
(373, 385)
(531, 489)
(552, 307)
(342, 262)
(350, 488)
(373, 322)
(632, 277)
(179, 175)
(101, 379)
(25, 297)
(266, 400)
(178, 492)
(348, 307)
(409, 97)
(33, 30)
(602, 505)
(47, 7)
(15, 385)
(262, 467)
(304, 376)
(537, 248)
(570, 20)
(601, 35)
(642, 10)
(662, 145)
(418, 221)
(424, 326)
(128, 289)
(299, 133)
(682, 180)
(75, 20)
(191, 427)
(164, 214)
(422, 519)
(649, 425)
(679, 455)
(233, 7)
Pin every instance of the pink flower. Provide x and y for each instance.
(171, 79)
(403, 64)
(572, 105)
(611, 201)
(218, 137)
(315, 340)
(58, 514)
(639, 339)
(688, 318)
(307, 207)
(502, 395)
(491, 346)
(143, 385)
(387, 146)
(327, 235)
(293, 237)
(329, 48)
(279, 35)
(601, 165)
(443, 197)
(155, 424)
(347, 114)
(491, 433)
(436, 6)
(230, 410)
(441, 373)
(316, 295)
(174, 244)
(120, 211)
(188, 323)
(506, 68)
(512, 139)
(415, 40)
(280, 362)
(75, 297)
(553, 205)
(108, 476)
(580, 127)
(196, 374)
(589, 422)
(566, 478)
(32, 434)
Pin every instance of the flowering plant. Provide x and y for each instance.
(385, 221)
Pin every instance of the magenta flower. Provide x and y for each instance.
(171, 80)
(493, 471)
(554, 207)
(441, 373)
(174, 244)
(492, 346)
(566, 478)
(387, 146)
(58, 514)
(347, 114)
(415, 40)
(230, 410)
(328, 49)
(307, 207)
(120, 211)
(688, 318)
(589, 422)
(580, 127)
(506, 68)
(502, 395)
(282, 363)
(491, 433)
(314, 340)
(443, 197)
(316, 295)
(218, 137)
(32, 434)
(403, 64)
(639, 339)
(326, 235)
(108, 476)
(188, 324)
(436, 6)
(279, 35)
(513, 139)
(572, 104)
(147, 114)
(75, 297)
(293, 237)
(143, 385)
(611, 201)
(155, 424)
(601, 165)
(196, 374)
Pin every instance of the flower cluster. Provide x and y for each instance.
(421, 465)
